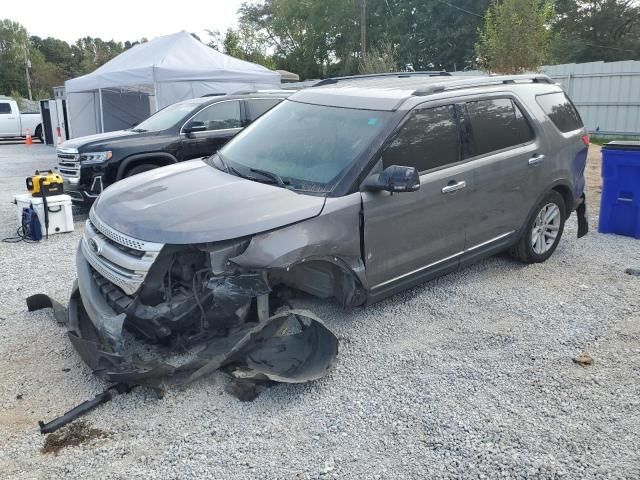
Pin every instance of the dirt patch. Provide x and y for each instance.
(71, 436)
(593, 178)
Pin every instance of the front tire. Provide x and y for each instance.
(543, 230)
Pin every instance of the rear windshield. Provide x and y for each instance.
(561, 111)
(310, 146)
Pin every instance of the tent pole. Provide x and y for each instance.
(101, 111)
(155, 94)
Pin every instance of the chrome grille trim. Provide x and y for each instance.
(123, 260)
(68, 163)
(121, 238)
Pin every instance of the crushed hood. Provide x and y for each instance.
(192, 202)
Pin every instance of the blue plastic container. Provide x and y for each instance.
(620, 202)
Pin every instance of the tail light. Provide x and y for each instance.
(585, 139)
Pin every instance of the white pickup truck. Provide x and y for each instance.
(14, 123)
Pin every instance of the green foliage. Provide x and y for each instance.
(594, 30)
(516, 36)
(14, 42)
(380, 59)
(247, 44)
(52, 61)
(316, 39)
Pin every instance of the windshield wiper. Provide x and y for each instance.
(273, 176)
(138, 130)
(229, 168)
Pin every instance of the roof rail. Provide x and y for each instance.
(334, 80)
(481, 82)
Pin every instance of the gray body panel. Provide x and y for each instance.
(388, 242)
(191, 202)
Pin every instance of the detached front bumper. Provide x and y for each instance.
(96, 332)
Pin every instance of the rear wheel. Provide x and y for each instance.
(39, 134)
(145, 167)
(543, 231)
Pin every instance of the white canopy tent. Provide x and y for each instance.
(151, 76)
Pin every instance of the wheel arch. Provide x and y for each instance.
(160, 159)
(564, 189)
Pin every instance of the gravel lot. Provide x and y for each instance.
(469, 376)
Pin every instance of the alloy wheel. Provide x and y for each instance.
(545, 228)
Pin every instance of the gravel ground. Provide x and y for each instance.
(469, 376)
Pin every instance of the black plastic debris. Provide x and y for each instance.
(293, 346)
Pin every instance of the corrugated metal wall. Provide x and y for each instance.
(606, 94)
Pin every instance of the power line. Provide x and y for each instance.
(461, 9)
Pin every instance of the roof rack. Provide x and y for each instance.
(334, 80)
(274, 91)
(480, 82)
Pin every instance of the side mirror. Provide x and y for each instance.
(193, 127)
(394, 179)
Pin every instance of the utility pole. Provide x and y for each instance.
(27, 65)
(363, 28)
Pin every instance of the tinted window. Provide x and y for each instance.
(167, 117)
(429, 139)
(561, 111)
(220, 116)
(5, 108)
(260, 106)
(497, 124)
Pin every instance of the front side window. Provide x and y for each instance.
(561, 111)
(5, 107)
(220, 116)
(428, 140)
(497, 124)
(309, 146)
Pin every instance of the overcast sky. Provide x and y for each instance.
(120, 19)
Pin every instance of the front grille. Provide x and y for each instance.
(122, 260)
(68, 164)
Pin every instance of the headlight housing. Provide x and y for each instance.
(95, 157)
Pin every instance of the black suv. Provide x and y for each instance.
(183, 131)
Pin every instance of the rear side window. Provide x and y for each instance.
(497, 124)
(561, 111)
(428, 140)
(5, 108)
(256, 108)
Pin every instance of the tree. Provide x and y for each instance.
(594, 30)
(14, 44)
(310, 38)
(429, 34)
(516, 36)
(380, 59)
(247, 44)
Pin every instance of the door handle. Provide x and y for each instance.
(454, 187)
(536, 159)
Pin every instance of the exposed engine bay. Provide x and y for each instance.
(196, 302)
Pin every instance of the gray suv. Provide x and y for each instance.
(355, 190)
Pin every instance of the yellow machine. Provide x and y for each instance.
(45, 184)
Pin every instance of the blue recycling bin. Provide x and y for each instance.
(620, 202)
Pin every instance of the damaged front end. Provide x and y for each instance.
(186, 299)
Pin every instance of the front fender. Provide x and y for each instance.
(333, 236)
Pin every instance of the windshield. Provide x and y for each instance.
(167, 117)
(306, 147)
